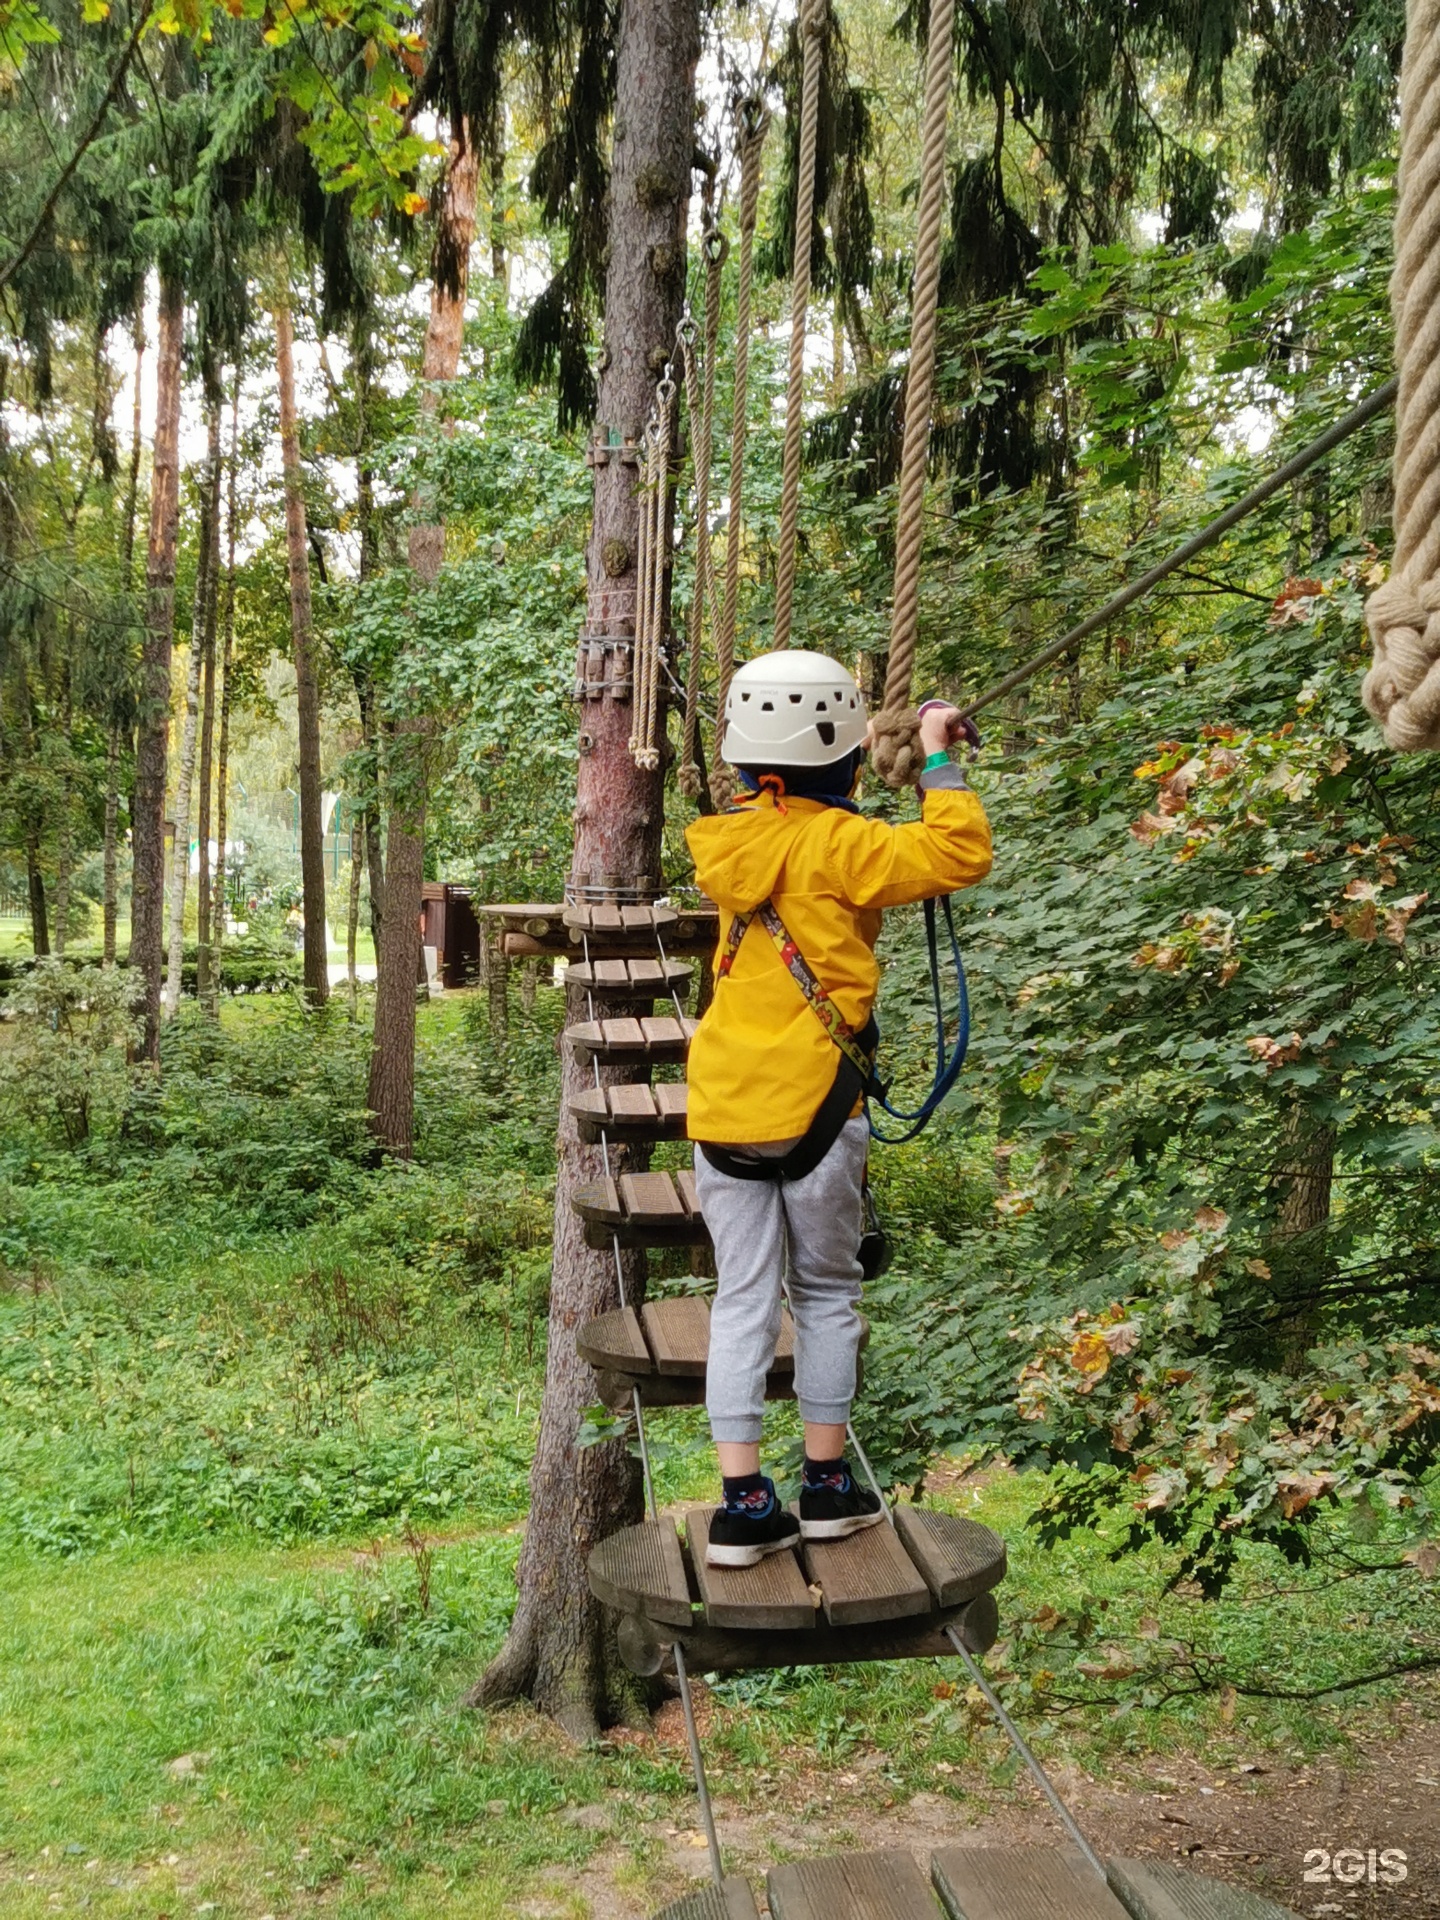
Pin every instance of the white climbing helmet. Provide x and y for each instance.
(792, 709)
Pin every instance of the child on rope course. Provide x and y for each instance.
(780, 1060)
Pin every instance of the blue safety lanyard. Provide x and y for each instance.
(948, 1060)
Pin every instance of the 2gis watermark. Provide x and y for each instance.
(1355, 1866)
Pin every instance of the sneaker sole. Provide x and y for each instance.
(747, 1556)
(839, 1529)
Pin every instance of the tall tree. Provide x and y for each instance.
(307, 692)
(392, 1059)
(558, 1651)
(147, 908)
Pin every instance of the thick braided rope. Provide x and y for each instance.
(1402, 688)
(895, 750)
(722, 785)
(812, 23)
(648, 756)
(641, 653)
(701, 404)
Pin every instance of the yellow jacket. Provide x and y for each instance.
(761, 1063)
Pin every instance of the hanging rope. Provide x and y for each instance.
(700, 399)
(1402, 688)
(812, 26)
(895, 750)
(650, 581)
(754, 122)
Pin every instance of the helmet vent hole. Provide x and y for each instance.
(820, 706)
(767, 706)
(744, 696)
(826, 731)
(796, 698)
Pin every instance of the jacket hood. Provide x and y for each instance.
(739, 856)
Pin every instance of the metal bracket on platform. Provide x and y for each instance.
(603, 664)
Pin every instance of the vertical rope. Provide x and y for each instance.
(641, 651)
(1402, 688)
(896, 745)
(754, 124)
(812, 25)
(700, 399)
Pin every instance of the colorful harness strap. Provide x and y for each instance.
(798, 967)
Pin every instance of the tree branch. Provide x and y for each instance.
(112, 92)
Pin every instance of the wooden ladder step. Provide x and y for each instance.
(630, 979)
(664, 1353)
(644, 1209)
(1020, 1883)
(642, 1570)
(957, 1557)
(867, 1576)
(660, 1039)
(854, 1886)
(769, 1597)
(1158, 1890)
(608, 920)
(636, 1111)
(733, 1901)
(535, 927)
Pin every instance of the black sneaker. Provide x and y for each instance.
(743, 1535)
(837, 1507)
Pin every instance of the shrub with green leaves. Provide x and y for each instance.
(64, 1067)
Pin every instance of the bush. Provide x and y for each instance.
(66, 1069)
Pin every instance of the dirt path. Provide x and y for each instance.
(1261, 1825)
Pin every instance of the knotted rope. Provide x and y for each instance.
(753, 127)
(812, 24)
(650, 583)
(700, 399)
(895, 751)
(1402, 688)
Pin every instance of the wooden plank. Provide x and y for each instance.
(853, 1886)
(637, 979)
(958, 1558)
(1159, 1890)
(607, 973)
(598, 1201)
(614, 1342)
(685, 1186)
(865, 1577)
(650, 1200)
(769, 1598)
(729, 1650)
(733, 1901)
(784, 1360)
(625, 1035)
(668, 1036)
(1020, 1883)
(633, 1102)
(641, 1570)
(590, 1108)
(647, 973)
(606, 918)
(678, 1333)
(672, 1099)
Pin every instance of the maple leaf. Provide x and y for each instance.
(1258, 1268)
(1148, 828)
(1425, 1557)
(1398, 917)
(1212, 1220)
(1123, 1338)
(1297, 1490)
(1176, 1237)
(1090, 1356)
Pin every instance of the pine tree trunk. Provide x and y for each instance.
(147, 910)
(352, 915)
(207, 744)
(497, 989)
(559, 1652)
(218, 907)
(110, 888)
(307, 696)
(185, 777)
(529, 981)
(132, 488)
(392, 1060)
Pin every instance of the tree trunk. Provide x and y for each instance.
(558, 1651)
(132, 488)
(529, 981)
(147, 891)
(392, 1060)
(307, 696)
(110, 886)
(497, 989)
(207, 745)
(39, 918)
(185, 778)
(218, 903)
(1307, 1155)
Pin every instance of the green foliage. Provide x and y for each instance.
(64, 1067)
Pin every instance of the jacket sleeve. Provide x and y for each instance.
(947, 848)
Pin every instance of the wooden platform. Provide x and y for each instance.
(643, 1209)
(630, 979)
(863, 1598)
(855, 1886)
(979, 1883)
(655, 1039)
(634, 1112)
(663, 1351)
(565, 929)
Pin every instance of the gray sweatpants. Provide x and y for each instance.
(751, 1222)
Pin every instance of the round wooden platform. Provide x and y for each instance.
(885, 1593)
